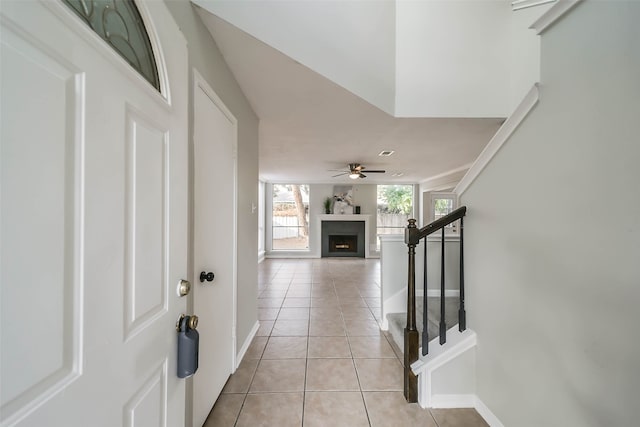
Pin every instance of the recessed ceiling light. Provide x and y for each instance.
(386, 153)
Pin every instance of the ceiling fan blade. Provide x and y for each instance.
(362, 175)
(340, 174)
(337, 170)
(376, 171)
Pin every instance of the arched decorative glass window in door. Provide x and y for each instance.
(119, 23)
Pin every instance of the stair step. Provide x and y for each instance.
(398, 321)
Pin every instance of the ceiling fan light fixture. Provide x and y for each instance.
(354, 175)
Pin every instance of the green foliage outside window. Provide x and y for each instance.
(396, 198)
(443, 207)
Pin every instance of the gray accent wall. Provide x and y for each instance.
(205, 57)
(552, 236)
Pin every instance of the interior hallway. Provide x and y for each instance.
(319, 358)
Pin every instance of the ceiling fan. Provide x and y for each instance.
(355, 171)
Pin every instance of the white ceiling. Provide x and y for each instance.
(309, 125)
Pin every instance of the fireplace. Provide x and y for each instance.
(343, 239)
(340, 243)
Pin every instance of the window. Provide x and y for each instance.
(118, 22)
(441, 205)
(290, 217)
(395, 207)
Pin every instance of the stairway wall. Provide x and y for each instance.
(552, 235)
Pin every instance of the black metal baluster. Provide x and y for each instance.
(443, 325)
(425, 316)
(462, 315)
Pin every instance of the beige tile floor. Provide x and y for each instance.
(319, 358)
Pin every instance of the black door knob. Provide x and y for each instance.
(207, 276)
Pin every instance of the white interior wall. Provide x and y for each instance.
(524, 49)
(366, 196)
(456, 377)
(452, 58)
(552, 240)
(261, 221)
(268, 220)
(317, 194)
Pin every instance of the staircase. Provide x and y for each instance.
(439, 373)
(398, 321)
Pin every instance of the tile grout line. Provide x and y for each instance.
(364, 402)
(235, 423)
(244, 400)
(306, 362)
(433, 418)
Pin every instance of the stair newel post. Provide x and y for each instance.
(443, 325)
(425, 317)
(410, 332)
(462, 315)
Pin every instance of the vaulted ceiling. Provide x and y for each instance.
(310, 125)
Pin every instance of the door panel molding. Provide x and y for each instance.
(146, 399)
(146, 192)
(50, 242)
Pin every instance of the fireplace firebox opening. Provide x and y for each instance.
(343, 243)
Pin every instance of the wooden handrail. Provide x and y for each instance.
(413, 235)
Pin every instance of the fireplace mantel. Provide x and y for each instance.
(347, 217)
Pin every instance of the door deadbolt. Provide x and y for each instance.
(207, 276)
(184, 287)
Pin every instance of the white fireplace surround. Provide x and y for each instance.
(346, 217)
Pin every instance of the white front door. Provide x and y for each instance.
(94, 222)
(214, 140)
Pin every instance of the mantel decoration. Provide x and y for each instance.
(327, 205)
(342, 199)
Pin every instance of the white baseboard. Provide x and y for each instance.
(293, 255)
(384, 325)
(261, 256)
(247, 343)
(486, 413)
(453, 400)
